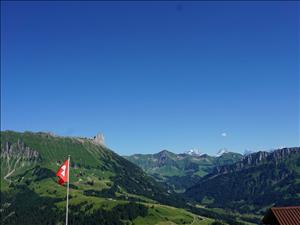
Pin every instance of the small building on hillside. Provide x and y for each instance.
(282, 216)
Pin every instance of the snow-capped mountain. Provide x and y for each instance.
(248, 152)
(194, 152)
(222, 151)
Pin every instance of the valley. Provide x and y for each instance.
(180, 171)
(163, 188)
(104, 187)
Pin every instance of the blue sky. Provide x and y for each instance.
(153, 75)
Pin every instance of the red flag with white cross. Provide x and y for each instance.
(63, 173)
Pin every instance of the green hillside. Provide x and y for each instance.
(253, 184)
(104, 187)
(91, 164)
(180, 171)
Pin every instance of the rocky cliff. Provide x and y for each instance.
(18, 150)
(15, 156)
(99, 139)
(257, 158)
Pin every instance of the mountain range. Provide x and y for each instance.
(180, 171)
(163, 188)
(243, 183)
(104, 187)
(257, 181)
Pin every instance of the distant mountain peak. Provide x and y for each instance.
(194, 152)
(164, 153)
(222, 151)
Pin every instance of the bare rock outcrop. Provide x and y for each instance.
(256, 158)
(19, 150)
(99, 139)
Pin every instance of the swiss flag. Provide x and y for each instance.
(62, 173)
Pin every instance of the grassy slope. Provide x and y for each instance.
(89, 161)
(163, 215)
(93, 168)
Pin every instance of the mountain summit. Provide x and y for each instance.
(222, 151)
(194, 152)
(99, 139)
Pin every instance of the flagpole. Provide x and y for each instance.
(67, 207)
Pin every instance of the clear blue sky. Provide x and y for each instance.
(153, 75)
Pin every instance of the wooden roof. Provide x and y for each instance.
(283, 216)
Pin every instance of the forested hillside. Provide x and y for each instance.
(258, 181)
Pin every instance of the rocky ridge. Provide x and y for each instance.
(257, 158)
